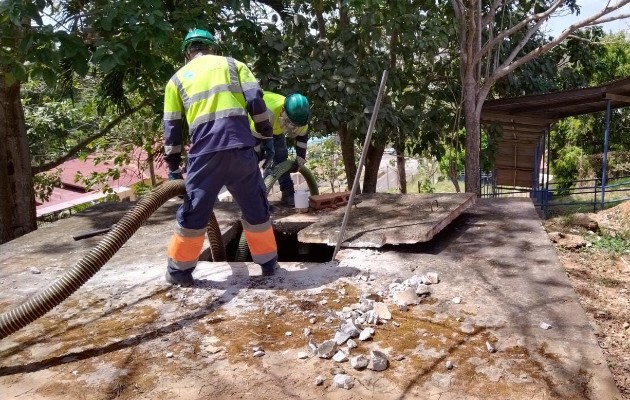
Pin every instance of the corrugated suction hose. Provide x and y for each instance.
(242, 252)
(89, 265)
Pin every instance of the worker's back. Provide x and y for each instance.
(209, 90)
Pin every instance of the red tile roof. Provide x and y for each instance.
(72, 193)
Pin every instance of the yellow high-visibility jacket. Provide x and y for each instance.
(215, 95)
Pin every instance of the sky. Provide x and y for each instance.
(587, 8)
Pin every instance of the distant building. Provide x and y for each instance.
(73, 193)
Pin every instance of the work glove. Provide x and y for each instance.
(175, 175)
(297, 164)
(270, 153)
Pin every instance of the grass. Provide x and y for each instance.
(615, 245)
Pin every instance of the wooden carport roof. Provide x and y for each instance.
(526, 119)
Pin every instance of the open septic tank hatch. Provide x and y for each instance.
(376, 220)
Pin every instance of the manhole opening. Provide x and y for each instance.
(289, 249)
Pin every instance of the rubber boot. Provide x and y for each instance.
(177, 277)
(288, 198)
(269, 268)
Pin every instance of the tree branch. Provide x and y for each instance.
(502, 35)
(81, 145)
(485, 21)
(506, 68)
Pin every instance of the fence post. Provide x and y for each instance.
(605, 162)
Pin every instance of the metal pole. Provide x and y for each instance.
(546, 195)
(605, 151)
(355, 184)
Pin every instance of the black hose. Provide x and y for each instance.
(215, 239)
(89, 265)
(242, 252)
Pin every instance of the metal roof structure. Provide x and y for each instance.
(526, 120)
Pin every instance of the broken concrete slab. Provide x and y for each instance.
(383, 218)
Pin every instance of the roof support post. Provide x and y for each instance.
(605, 161)
(546, 195)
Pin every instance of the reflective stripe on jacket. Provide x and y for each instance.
(215, 94)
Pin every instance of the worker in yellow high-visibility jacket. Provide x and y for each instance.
(215, 94)
(289, 117)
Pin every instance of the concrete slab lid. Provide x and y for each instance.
(383, 218)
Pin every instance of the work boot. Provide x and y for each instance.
(181, 278)
(288, 198)
(269, 268)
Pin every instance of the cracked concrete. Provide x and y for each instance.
(111, 337)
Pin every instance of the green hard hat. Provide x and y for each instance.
(198, 36)
(297, 109)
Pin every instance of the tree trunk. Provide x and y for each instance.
(372, 167)
(473, 133)
(347, 153)
(17, 199)
(453, 175)
(400, 165)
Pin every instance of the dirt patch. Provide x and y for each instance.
(600, 274)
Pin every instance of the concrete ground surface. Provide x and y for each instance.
(126, 334)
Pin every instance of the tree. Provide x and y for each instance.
(484, 34)
(130, 49)
(326, 164)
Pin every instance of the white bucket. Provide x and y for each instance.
(301, 200)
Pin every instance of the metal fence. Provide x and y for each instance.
(586, 195)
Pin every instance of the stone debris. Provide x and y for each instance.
(449, 365)
(381, 310)
(337, 370)
(288, 333)
(306, 332)
(423, 290)
(312, 346)
(211, 349)
(169, 355)
(626, 325)
(371, 318)
(400, 357)
(407, 297)
(545, 325)
(351, 344)
(341, 337)
(258, 353)
(302, 355)
(378, 361)
(349, 328)
(433, 278)
(34, 270)
(366, 334)
(457, 300)
(343, 381)
(359, 362)
(366, 305)
(340, 356)
(319, 380)
(490, 347)
(327, 349)
(257, 348)
(312, 320)
(323, 302)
